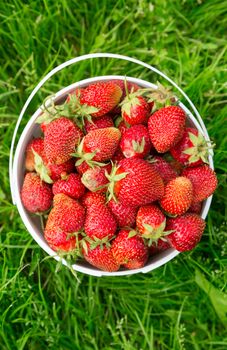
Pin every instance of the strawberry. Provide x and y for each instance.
(60, 139)
(55, 234)
(195, 207)
(135, 142)
(95, 178)
(188, 230)
(98, 145)
(178, 196)
(51, 172)
(166, 171)
(58, 239)
(90, 198)
(151, 222)
(125, 215)
(134, 182)
(70, 185)
(192, 149)
(103, 122)
(36, 195)
(100, 222)
(166, 127)
(131, 87)
(67, 214)
(159, 246)
(102, 258)
(36, 145)
(55, 171)
(129, 249)
(135, 109)
(204, 181)
(102, 95)
(82, 167)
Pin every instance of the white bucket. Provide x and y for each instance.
(32, 129)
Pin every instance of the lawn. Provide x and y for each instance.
(181, 305)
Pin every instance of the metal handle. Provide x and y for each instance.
(83, 58)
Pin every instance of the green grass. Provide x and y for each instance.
(179, 306)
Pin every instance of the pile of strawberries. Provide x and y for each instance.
(118, 175)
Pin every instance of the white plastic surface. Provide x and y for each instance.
(33, 225)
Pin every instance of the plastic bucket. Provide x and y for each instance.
(32, 129)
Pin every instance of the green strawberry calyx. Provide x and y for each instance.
(200, 149)
(95, 242)
(161, 96)
(41, 169)
(130, 101)
(153, 234)
(71, 108)
(85, 157)
(138, 147)
(113, 178)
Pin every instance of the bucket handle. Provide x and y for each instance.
(79, 59)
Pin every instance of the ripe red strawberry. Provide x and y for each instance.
(102, 95)
(51, 172)
(102, 258)
(132, 87)
(100, 222)
(135, 142)
(70, 185)
(95, 178)
(151, 222)
(36, 145)
(134, 182)
(100, 144)
(55, 171)
(192, 149)
(135, 109)
(204, 181)
(58, 221)
(178, 196)
(36, 195)
(125, 215)
(166, 171)
(130, 252)
(67, 213)
(166, 127)
(103, 122)
(195, 208)
(58, 239)
(188, 230)
(90, 198)
(159, 246)
(60, 139)
(82, 167)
